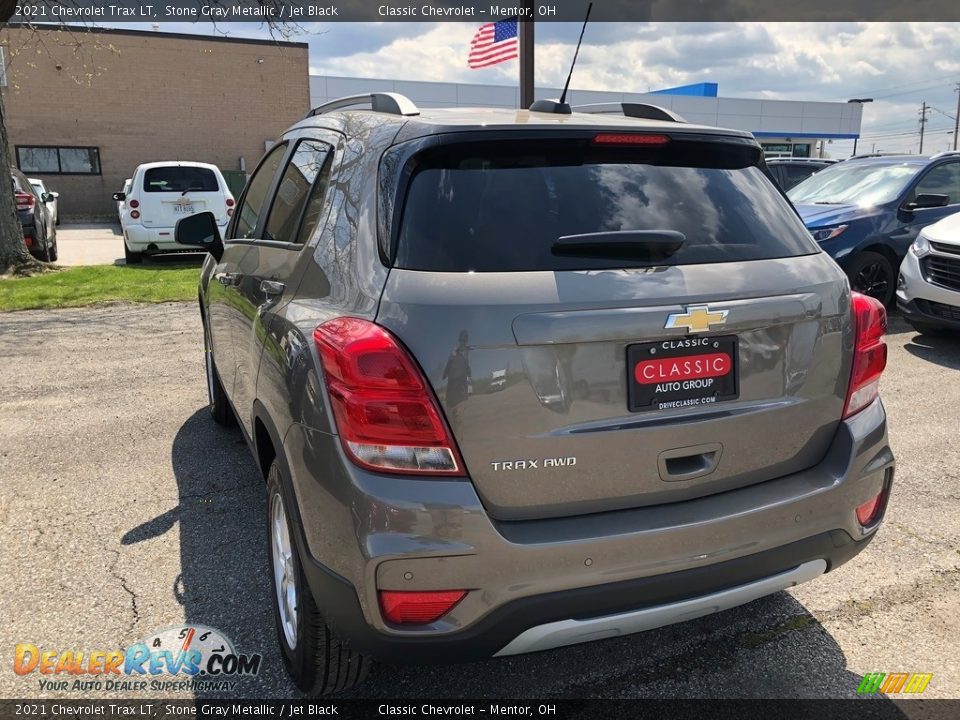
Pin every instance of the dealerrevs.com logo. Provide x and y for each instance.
(177, 658)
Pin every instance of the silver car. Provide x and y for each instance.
(518, 379)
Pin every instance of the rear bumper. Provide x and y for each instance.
(157, 239)
(594, 575)
(541, 622)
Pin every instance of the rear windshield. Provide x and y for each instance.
(179, 179)
(488, 207)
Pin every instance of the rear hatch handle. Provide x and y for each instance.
(689, 463)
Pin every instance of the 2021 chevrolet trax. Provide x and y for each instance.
(521, 379)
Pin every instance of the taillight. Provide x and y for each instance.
(229, 212)
(134, 214)
(230, 202)
(386, 415)
(134, 203)
(869, 353)
(24, 200)
(28, 240)
(403, 607)
(629, 139)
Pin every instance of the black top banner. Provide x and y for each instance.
(481, 11)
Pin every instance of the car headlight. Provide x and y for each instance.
(827, 233)
(920, 247)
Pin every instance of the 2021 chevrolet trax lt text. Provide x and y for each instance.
(520, 379)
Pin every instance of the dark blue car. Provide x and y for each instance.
(866, 212)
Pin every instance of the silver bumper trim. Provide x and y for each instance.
(571, 632)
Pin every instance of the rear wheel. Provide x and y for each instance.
(219, 405)
(871, 273)
(132, 258)
(317, 661)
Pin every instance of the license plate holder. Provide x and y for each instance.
(682, 372)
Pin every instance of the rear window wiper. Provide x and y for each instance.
(645, 244)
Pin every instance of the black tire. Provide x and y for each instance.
(872, 274)
(219, 404)
(927, 328)
(132, 258)
(318, 662)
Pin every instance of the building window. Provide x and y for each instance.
(46, 160)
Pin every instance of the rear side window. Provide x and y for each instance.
(300, 193)
(500, 207)
(180, 179)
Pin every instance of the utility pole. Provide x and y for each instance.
(525, 32)
(923, 124)
(956, 120)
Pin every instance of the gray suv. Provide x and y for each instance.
(523, 379)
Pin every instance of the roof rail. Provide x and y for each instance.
(631, 109)
(385, 102)
(803, 159)
(871, 155)
(945, 153)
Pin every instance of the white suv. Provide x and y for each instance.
(163, 192)
(928, 289)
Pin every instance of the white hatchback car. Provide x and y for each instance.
(163, 192)
(928, 289)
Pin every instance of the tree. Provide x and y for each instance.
(14, 256)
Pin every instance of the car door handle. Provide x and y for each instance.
(227, 279)
(272, 287)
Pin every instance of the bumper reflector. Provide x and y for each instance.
(869, 512)
(401, 607)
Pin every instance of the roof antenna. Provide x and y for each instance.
(560, 106)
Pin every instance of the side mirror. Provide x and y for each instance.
(120, 196)
(47, 197)
(55, 195)
(200, 230)
(928, 200)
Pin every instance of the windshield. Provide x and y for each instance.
(862, 184)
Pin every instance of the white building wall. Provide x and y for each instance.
(770, 119)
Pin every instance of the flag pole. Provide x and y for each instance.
(526, 56)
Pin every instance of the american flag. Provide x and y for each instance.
(494, 43)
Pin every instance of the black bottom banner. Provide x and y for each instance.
(863, 709)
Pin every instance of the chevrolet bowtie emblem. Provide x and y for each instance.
(697, 318)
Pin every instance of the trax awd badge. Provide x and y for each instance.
(533, 463)
(697, 318)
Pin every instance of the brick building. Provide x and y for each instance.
(85, 106)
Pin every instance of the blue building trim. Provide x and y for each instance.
(789, 134)
(696, 90)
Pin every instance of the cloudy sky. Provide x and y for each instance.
(900, 65)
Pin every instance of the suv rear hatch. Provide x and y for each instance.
(610, 321)
(172, 192)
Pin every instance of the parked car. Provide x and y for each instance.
(790, 171)
(39, 230)
(160, 194)
(127, 184)
(51, 204)
(382, 258)
(867, 211)
(928, 287)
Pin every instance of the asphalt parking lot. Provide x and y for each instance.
(124, 509)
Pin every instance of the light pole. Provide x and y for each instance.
(859, 101)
